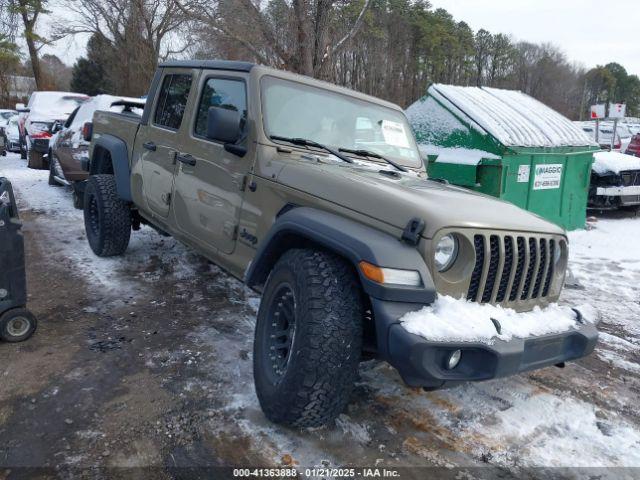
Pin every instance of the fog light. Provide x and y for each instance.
(454, 359)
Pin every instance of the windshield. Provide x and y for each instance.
(292, 109)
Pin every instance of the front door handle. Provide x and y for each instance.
(186, 158)
(150, 146)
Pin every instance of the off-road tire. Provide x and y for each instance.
(107, 218)
(315, 385)
(17, 324)
(35, 159)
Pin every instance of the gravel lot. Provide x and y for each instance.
(145, 361)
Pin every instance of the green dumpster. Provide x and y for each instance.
(506, 144)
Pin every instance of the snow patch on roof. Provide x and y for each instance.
(450, 319)
(614, 162)
(510, 116)
(458, 155)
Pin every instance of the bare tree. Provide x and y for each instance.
(297, 35)
(139, 33)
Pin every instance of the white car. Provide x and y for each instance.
(12, 134)
(605, 132)
(37, 119)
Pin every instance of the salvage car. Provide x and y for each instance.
(272, 176)
(12, 134)
(69, 145)
(615, 182)
(37, 119)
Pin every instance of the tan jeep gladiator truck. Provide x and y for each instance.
(316, 196)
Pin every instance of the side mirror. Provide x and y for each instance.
(21, 108)
(57, 126)
(223, 125)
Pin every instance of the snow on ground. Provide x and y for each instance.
(583, 415)
(614, 162)
(451, 319)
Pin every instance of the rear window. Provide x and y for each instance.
(56, 103)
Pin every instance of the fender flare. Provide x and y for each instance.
(349, 239)
(119, 153)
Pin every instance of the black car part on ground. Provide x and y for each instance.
(13, 283)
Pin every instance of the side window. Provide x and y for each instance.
(71, 118)
(223, 93)
(172, 101)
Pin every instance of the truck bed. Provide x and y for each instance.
(122, 125)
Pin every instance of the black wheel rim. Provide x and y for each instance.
(280, 331)
(94, 216)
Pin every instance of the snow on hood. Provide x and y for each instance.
(614, 162)
(450, 319)
(510, 116)
(458, 155)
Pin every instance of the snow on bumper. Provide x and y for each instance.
(449, 319)
(494, 342)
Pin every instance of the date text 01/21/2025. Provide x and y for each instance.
(316, 472)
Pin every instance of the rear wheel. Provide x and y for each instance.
(23, 149)
(17, 325)
(52, 171)
(308, 338)
(107, 218)
(35, 159)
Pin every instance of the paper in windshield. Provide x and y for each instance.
(394, 134)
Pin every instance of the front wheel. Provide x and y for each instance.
(17, 325)
(107, 218)
(308, 338)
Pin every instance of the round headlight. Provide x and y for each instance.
(446, 252)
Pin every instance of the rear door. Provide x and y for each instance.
(208, 189)
(64, 142)
(156, 142)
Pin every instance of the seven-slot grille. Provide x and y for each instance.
(511, 268)
(631, 178)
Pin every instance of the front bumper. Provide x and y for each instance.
(614, 197)
(13, 145)
(618, 191)
(421, 362)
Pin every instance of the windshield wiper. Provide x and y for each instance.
(367, 153)
(303, 142)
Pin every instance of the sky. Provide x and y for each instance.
(590, 32)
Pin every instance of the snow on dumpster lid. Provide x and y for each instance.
(460, 156)
(513, 118)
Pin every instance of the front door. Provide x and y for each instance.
(157, 140)
(208, 187)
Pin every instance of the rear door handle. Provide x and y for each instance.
(186, 158)
(150, 146)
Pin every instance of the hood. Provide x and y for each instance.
(395, 199)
